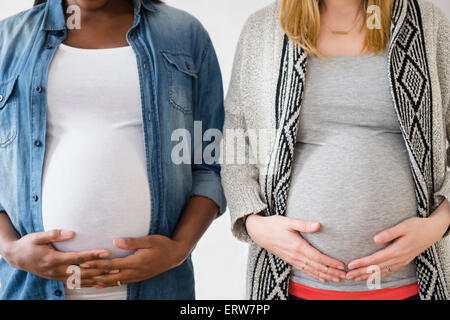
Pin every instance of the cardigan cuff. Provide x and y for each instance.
(249, 203)
(441, 195)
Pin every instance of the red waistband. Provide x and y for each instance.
(309, 293)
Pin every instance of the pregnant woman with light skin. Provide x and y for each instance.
(95, 106)
(356, 177)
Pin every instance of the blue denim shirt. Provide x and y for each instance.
(180, 83)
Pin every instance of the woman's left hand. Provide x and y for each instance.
(154, 255)
(410, 238)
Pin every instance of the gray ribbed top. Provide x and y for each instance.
(351, 171)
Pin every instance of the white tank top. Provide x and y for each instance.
(95, 179)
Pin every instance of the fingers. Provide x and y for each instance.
(321, 273)
(113, 280)
(133, 243)
(389, 234)
(87, 274)
(368, 270)
(75, 258)
(375, 259)
(303, 255)
(52, 236)
(384, 271)
(304, 226)
(315, 255)
(75, 271)
(88, 283)
(85, 279)
(303, 268)
(107, 265)
(331, 273)
(84, 283)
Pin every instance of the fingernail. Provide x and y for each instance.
(66, 233)
(343, 277)
(341, 268)
(377, 238)
(85, 265)
(120, 242)
(114, 271)
(336, 280)
(103, 254)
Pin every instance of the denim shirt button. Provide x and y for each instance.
(1, 98)
(188, 66)
(35, 198)
(49, 46)
(58, 293)
(37, 143)
(38, 89)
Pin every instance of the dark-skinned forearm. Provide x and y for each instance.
(7, 232)
(197, 216)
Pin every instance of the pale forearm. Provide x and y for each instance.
(442, 214)
(439, 221)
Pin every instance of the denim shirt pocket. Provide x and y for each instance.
(181, 75)
(8, 112)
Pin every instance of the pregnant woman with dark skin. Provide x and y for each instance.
(106, 207)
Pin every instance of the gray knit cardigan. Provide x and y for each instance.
(266, 92)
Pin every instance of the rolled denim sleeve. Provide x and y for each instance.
(208, 184)
(209, 111)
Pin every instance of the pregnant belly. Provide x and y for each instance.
(354, 197)
(101, 195)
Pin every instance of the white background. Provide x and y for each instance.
(220, 260)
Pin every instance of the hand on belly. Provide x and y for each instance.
(154, 255)
(98, 231)
(281, 236)
(83, 241)
(404, 242)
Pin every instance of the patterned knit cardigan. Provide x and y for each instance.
(266, 92)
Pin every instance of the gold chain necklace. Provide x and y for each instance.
(340, 32)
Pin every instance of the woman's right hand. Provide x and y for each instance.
(280, 236)
(34, 253)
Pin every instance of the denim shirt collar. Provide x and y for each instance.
(54, 19)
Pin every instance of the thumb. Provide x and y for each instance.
(132, 243)
(389, 235)
(304, 226)
(52, 236)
